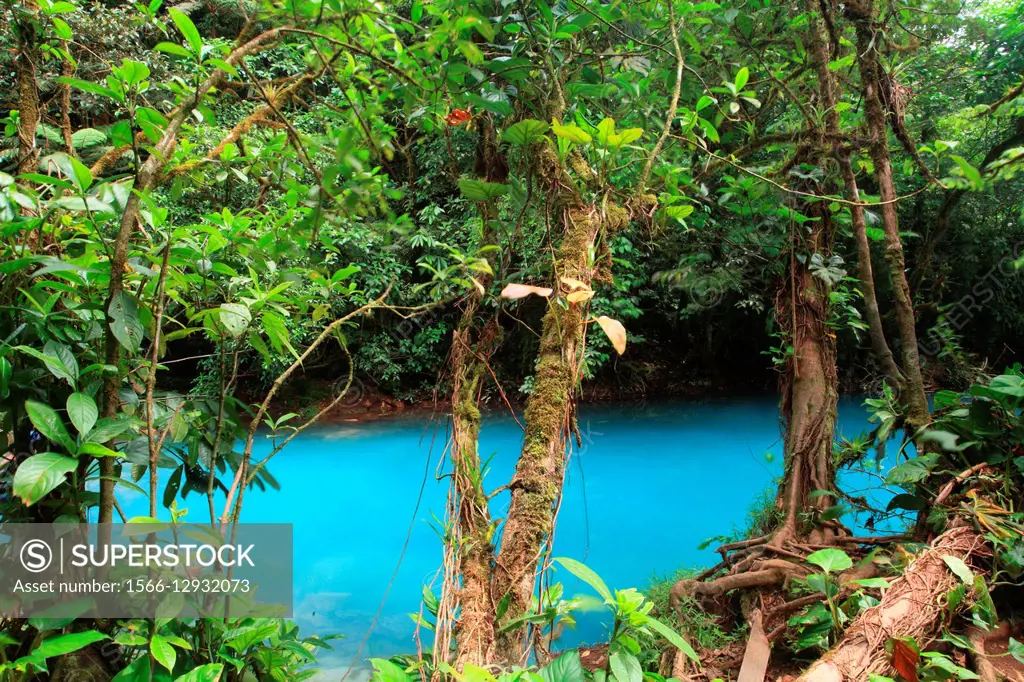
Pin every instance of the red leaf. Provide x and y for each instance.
(905, 660)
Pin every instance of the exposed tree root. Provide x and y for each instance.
(982, 664)
(913, 606)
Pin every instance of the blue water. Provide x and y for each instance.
(647, 487)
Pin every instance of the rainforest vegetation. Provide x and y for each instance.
(228, 219)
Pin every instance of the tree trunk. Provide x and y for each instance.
(25, 65)
(475, 628)
(470, 545)
(866, 276)
(809, 394)
(862, 14)
(829, 97)
(537, 482)
(914, 605)
(809, 385)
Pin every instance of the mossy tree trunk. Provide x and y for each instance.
(862, 13)
(470, 569)
(537, 483)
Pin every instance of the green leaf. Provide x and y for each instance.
(571, 132)
(83, 412)
(830, 560)
(277, 331)
(478, 190)
(626, 667)
(959, 569)
(137, 671)
(524, 132)
(969, 171)
(673, 637)
(679, 211)
(878, 583)
(704, 102)
(587, 576)
(235, 317)
(430, 601)
(1016, 649)
(163, 652)
(39, 474)
(62, 363)
(388, 671)
(188, 29)
(742, 76)
(108, 428)
(210, 672)
(83, 176)
(96, 450)
(912, 471)
(175, 49)
(908, 502)
(5, 378)
(88, 86)
(65, 644)
(125, 325)
(565, 668)
(48, 422)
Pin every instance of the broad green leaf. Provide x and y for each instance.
(912, 471)
(588, 576)
(565, 668)
(88, 86)
(235, 317)
(388, 671)
(53, 362)
(48, 422)
(83, 412)
(61, 645)
(478, 190)
(108, 428)
(83, 176)
(704, 102)
(679, 211)
(136, 671)
(959, 569)
(210, 672)
(571, 132)
(626, 667)
(830, 560)
(96, 450)
(39, 474)
(62, 364)
(175, 49)
(742, 76)
(188, 29)
(525, 131)
(124, 315)
(163, 652)
(969, 171)
(1016, 649)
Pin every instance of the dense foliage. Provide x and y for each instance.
(226, 220)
